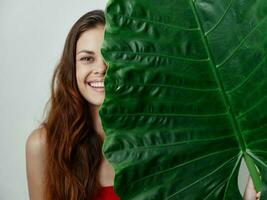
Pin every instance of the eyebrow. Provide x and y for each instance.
(86, 51)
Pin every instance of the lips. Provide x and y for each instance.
(97, 85)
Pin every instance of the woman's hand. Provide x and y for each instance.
(250, 193)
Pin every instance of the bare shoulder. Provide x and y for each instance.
(36, 163)
(36, 150)
(36, 142)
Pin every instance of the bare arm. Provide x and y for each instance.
(35, 163)
(250, 192)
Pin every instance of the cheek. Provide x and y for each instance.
(81, 74)
(80, 79)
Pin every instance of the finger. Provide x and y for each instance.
(258, 196)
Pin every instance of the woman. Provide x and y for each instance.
(64, 159)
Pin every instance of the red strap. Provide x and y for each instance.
(106, 193)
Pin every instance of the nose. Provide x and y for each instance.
(101, 67)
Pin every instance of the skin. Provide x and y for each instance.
(250, 193)
(35, 162)
(90, 67)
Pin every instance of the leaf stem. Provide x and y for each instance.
(254, 173)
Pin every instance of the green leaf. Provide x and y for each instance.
(186, 97)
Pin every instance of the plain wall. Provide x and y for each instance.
(32, 35)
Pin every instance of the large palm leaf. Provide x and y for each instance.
(186, 97)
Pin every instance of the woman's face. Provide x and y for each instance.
(90, 67)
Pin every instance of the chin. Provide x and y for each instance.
(95, 103)
(93, 99)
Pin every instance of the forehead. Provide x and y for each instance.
(91, 39)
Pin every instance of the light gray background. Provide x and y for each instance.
(32, 35)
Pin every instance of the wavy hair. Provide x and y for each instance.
(73, 147)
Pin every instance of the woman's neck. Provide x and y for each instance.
(97, 124)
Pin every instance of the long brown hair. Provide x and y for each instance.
(73, 147)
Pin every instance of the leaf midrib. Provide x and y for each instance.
(226, 100)
(236, 127)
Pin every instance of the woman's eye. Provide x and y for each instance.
(87, 59)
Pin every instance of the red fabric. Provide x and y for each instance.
(106, 193)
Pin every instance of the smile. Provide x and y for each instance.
(98, 85)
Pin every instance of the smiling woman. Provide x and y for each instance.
(90, 66)
(64, 157)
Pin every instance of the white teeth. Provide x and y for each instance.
(97, 84)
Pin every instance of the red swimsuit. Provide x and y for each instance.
(106, 193)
